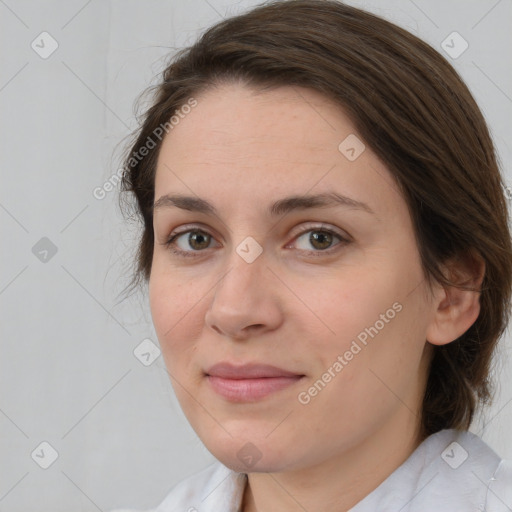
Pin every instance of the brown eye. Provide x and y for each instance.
(320, 239)
(191, 245)
(199, 240)
(316, 242)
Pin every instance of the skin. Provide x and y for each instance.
(295, 307)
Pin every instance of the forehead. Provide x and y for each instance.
(233, 119)
(233, 122)
(240, 142)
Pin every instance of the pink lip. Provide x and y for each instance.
(249, 382)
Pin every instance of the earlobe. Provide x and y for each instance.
(456, 308)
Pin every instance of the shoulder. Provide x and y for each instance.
(467, 473)
(451, 470)
(499, 496)
(216, 488)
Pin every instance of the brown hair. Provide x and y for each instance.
(412, 108)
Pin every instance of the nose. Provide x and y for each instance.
(245, 301)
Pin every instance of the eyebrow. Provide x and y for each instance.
(280, 207)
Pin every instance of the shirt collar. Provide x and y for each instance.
(448, 469)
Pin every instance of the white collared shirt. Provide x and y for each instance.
(451, 471)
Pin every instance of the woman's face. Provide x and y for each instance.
(330, 293)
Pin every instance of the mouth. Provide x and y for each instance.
(250, 382)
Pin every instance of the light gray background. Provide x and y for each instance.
(68, 372)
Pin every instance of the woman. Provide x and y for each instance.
(329, 265)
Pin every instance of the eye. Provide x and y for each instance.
(197, 239)
(321, 239)
(191, 242)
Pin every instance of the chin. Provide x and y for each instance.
(255, 466)
(246, 456)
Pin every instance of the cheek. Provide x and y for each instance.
(369, 318)
(381, 342)
(175, 309)
(345, 306)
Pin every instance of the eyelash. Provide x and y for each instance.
(170, 243)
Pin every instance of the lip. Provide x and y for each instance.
(247, 371)
(249, 382)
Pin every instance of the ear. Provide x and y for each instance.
(456, 309)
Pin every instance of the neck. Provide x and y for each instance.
(341, 481)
